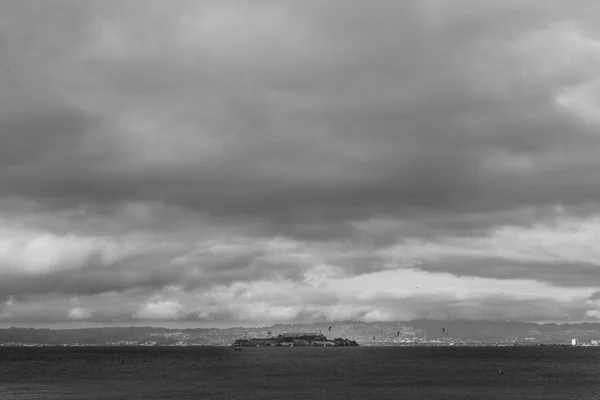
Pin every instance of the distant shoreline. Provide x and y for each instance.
(417, 333)
(16, 345)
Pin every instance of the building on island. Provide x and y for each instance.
(289, 339)
(308, 336)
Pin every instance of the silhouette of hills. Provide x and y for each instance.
(398, 332)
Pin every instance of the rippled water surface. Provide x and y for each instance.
(299, 373)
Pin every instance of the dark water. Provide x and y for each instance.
(299, 373)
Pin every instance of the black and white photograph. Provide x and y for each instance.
(299, 199)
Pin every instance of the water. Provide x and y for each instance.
(299, 373)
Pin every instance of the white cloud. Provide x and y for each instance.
(159, 310)
(564, 239)
(78, 313)
(583, 101)
(262, 311)
(36, 253)
(559, 54)
(377, 316)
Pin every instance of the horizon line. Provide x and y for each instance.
(190, 325)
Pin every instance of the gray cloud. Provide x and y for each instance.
(116, 308)
(559, 273)
(494, 307)
(344, 126)
(155, 270)
(384, 132)
(595, 296)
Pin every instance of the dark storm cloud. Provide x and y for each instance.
(373, 126)
(40, 137)
(595, 296)
(345, 125)
(556, 272)
(92, 280)
(217, 269)
(155, 270)
(352, 264)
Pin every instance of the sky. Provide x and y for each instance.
(234, 163)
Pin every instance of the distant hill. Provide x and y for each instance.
(363, 332)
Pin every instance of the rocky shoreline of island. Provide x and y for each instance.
(295, 339)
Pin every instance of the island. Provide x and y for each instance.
(302, 339)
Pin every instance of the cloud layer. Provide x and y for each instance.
(229, 162)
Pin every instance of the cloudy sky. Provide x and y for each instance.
(226, 163)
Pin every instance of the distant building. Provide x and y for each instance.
(574, 342)
(594, 343)
(283, 339)
(300, 334)
(290, 337)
